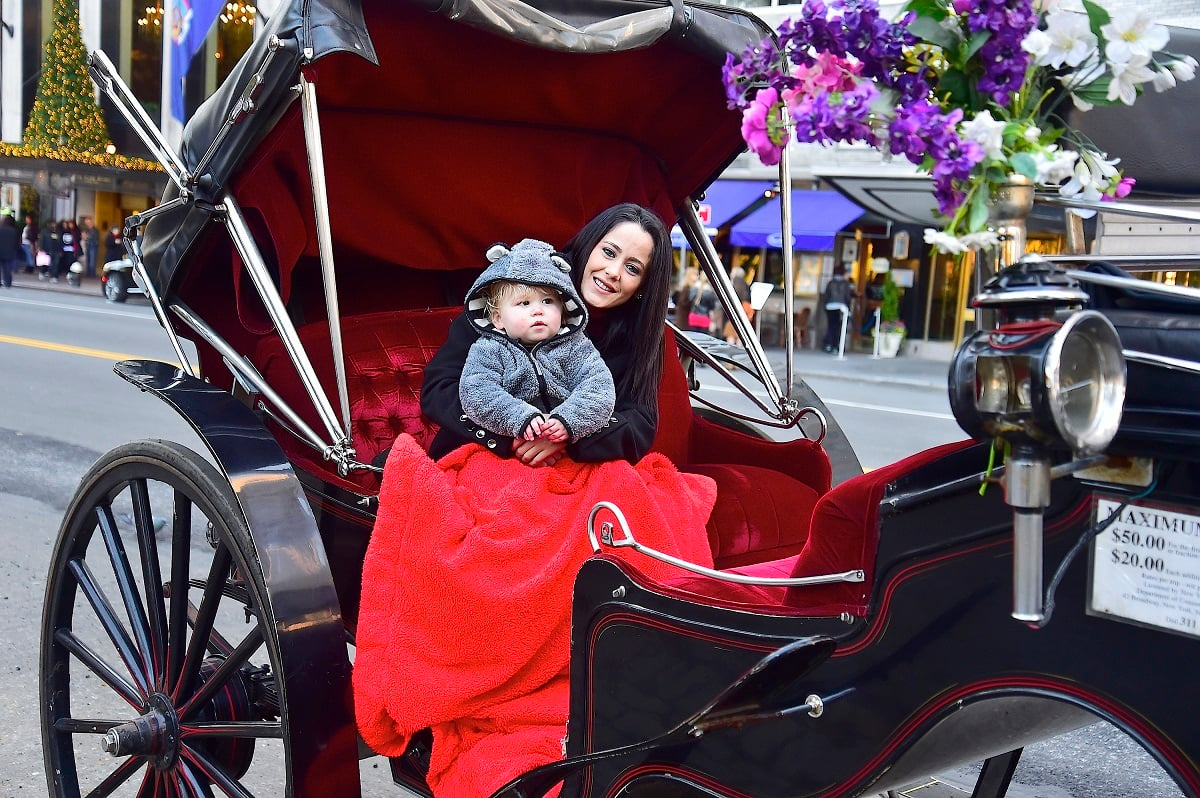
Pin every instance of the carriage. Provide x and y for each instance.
(328, 208)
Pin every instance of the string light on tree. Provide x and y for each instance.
(65, 114)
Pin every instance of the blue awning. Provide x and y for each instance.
(817, 216)
(724, 200)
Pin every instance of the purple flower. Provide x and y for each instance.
(761, 127)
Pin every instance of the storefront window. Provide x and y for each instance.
(145, 57)
(235, 33)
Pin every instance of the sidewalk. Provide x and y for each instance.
(862, 367)
(89, 286)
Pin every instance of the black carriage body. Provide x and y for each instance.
(933, 676)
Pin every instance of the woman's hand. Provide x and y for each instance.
(539, 452)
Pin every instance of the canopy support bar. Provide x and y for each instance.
(106, 76)
(246, 372)
(786, 247)
(239, 231)
(693, 228)
(316, 171)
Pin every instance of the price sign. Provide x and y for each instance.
(1146, 566)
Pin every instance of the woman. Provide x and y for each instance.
(621, 264)
(465, 614)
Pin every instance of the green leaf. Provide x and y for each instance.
(977, 219)
(978, 39)
(928, 29)
(1097, 18)
(954, 82)
(927, 8)
(1024, 164)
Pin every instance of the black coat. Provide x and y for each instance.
(10, 242)
(628, 436)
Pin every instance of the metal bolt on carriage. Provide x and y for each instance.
(327, 210)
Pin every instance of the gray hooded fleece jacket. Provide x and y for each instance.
(506, 384)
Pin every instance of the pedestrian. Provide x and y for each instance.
(91, 246)
(10, 248)
(114, 244)
(49, 251)
(704, 302)
(737, 276)
(836, 300)
(68, 236)
(29, 239)
(684, 296)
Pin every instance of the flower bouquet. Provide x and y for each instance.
(968, 90)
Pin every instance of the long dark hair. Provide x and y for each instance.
(638, 323)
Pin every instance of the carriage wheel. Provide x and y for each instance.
(159, 664)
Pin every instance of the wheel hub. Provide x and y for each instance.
(154, 735)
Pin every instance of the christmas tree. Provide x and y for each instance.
(65, 115)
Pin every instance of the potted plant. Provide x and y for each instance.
(891, 329)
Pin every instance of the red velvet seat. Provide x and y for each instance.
(766, 491)
(843, 537)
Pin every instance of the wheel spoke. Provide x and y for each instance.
(150, 784)
(143, 523)
(204, 625)
(195, 787)
(85, 725)
(108, 619)
(107, 674)
(262, 729)
(223, 674)
(118, 777)
(218, 646)
(213, 771)
(125, 584)
(181, 551)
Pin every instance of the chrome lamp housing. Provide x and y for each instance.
(1049, 377)
(1036, 379)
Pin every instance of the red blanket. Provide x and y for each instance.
(465, 618)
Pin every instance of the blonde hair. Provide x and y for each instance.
(493, 294)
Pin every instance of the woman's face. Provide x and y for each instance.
(616, 267)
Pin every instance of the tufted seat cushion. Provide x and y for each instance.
(386, 355)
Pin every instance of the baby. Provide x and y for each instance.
(533, 373)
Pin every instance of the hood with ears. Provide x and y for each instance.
(531, 262)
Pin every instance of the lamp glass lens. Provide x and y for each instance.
(992, 384)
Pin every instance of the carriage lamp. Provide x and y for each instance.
(1049, 377)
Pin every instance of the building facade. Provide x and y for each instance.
(130, 33)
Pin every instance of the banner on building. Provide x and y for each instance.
(187, 26)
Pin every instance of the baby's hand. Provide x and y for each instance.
(534, 430)
(553, 430)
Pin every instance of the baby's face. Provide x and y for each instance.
(530, 315)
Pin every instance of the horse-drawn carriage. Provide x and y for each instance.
(329, 207)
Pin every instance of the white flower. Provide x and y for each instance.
(1163, 79)
(1184, 68)
(984, 239)
(987, 132)
(1032, 133)
(943, 242)
(1132, 33)
(1054, 165)
(1127, 76)
(1066, 40)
